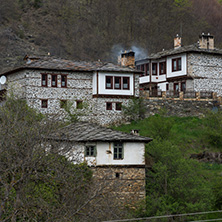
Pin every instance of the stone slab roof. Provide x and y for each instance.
(184, 49)
(52, 63)
(88, 132)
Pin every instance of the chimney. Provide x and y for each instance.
(127, 58)
(177, 42)
(206, 41)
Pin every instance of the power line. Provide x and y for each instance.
(176, 215)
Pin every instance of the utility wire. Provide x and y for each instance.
(165, 216)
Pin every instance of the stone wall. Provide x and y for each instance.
(206, 69)
(27, 84)
(179, 107)
(127, 184)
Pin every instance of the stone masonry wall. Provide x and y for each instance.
(206, 69)
(179, 107)
(127, 184)
(79, 87)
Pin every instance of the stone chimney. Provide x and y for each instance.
(177, 42)
(206, 41)
(127, 58)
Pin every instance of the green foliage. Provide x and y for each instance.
(75, 113)
(213, 129)
(135, 110)
(36, 183)
(175, 184)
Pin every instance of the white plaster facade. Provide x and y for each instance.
(200, 69)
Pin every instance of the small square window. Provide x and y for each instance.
(79, 104)
(63, 104)
(108, 106)
(90, 150)
(44, 103)
(118, 106)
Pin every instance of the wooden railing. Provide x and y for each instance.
(179, 95)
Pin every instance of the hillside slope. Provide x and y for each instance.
(97, 29)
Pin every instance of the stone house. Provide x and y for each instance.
(96, 90)
(115, 157)
(196, 67)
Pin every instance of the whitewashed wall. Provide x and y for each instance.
(183, 68)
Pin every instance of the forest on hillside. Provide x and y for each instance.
(98, 29)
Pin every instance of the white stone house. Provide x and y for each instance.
(97, 90)
(196, 67)
(114, 156)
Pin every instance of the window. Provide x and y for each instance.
(118, 106)
(147, 69)
(54, 80)
(44, 103)
(109, 82)
(167, 86)
(138, 67)
(142, 67)
(176, 64)
(126, 83)
(183, 86)
(79, 104)
(176, 87)
(44, 80)
(90, 150)
(64, 81)
(108, 106)
(162, 68)
(117, 84)
(154, 68)
(118, 151)
(63, 104)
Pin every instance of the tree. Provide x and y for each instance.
(175, 184)
(38, 178)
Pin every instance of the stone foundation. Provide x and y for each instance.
(125, 184)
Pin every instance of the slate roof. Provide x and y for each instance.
(58, 64)
(184, 49)
(88, 132)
